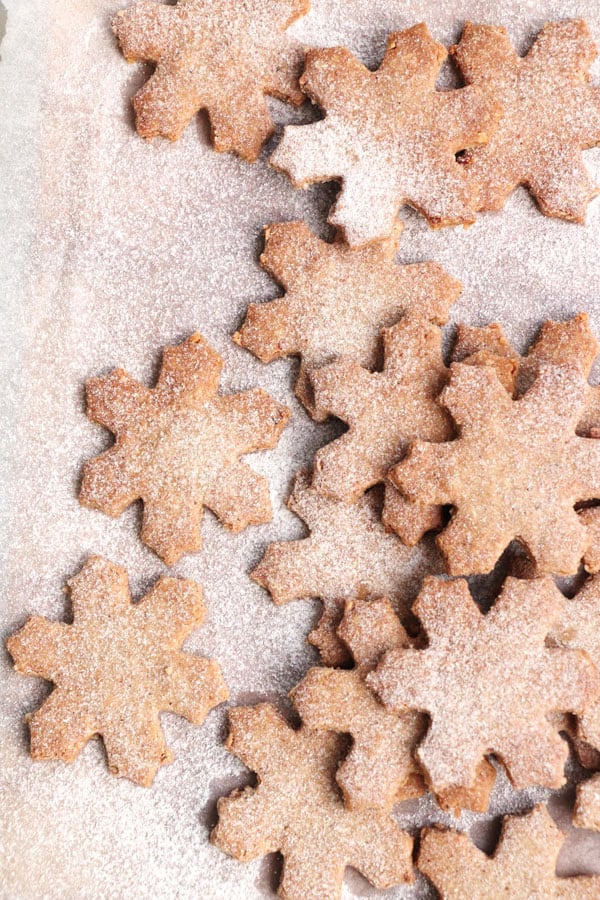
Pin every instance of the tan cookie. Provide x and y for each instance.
(297, 810)
(116, 668)
(488, 683)
(214, 55)
(178, 448)
(591, 521)
(337, 300)
(587, 804)
(579, 629)
(347, 554)
(515, 471)
(388, 136)
(523, 865)
(380, 769)
(384, 411)
(551, 113)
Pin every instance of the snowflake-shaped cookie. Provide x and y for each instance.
(178, 448)
(337, 300)
(516, 470)
(488, 683)
(522, 866)
(551, 113)
(384, 411)
(380, 769)
(347, 554)
(214, 55)
(116, 668)
(388, 136)
(297, 810)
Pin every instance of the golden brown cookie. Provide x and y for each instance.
(380, 769)
(337, 300)
(515, 471)
(178, 448)
(388, 136)
(214, 55)
(551, 113)
(116, 668)
(488, 683)
(348, 553)
(587, 804)
(522, 866)
(297, 810)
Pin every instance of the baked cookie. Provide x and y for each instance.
(348, 553)
(516, 470)
(522, 866)
(384, 412)
(178, 448)
(116, 668)
(380, 769)
(550, 114)
(214, 55)
(488, 683)
(297, 810)
(337, 300)
(388, 136)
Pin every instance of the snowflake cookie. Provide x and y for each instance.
(389, 136)
(214, 55)
(178, 448)
(296, 809)
(116, 668)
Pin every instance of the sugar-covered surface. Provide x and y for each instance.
(115, 247)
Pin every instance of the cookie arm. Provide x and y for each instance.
(239, 497)
(196, 686)
(38, 648)
(240, 121)
(145, 29)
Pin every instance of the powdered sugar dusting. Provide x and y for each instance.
(132, 247)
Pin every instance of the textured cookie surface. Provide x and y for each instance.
(523, 865)
(296, 809)
(384, 412)
(587, 805)
(551, 113)
(348, 553)
(516, 470)
(337, 300)
(178, 448)
(116, 668)
(488, 682)
(380, 769)
(579, 629)
(388, 136)
(214, 55)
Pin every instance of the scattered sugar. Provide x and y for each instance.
(134, 246)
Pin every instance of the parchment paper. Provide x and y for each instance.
(113, 248)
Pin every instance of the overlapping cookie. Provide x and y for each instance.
(550, 114)
(178, 448)
(384, 411)
(348, 553)
(516, 470)
(488, 683)
(389, 136)
(214, 55)
(296, 809)
(337, 300)
(380, 769)
(522, 866)
(116, 668)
